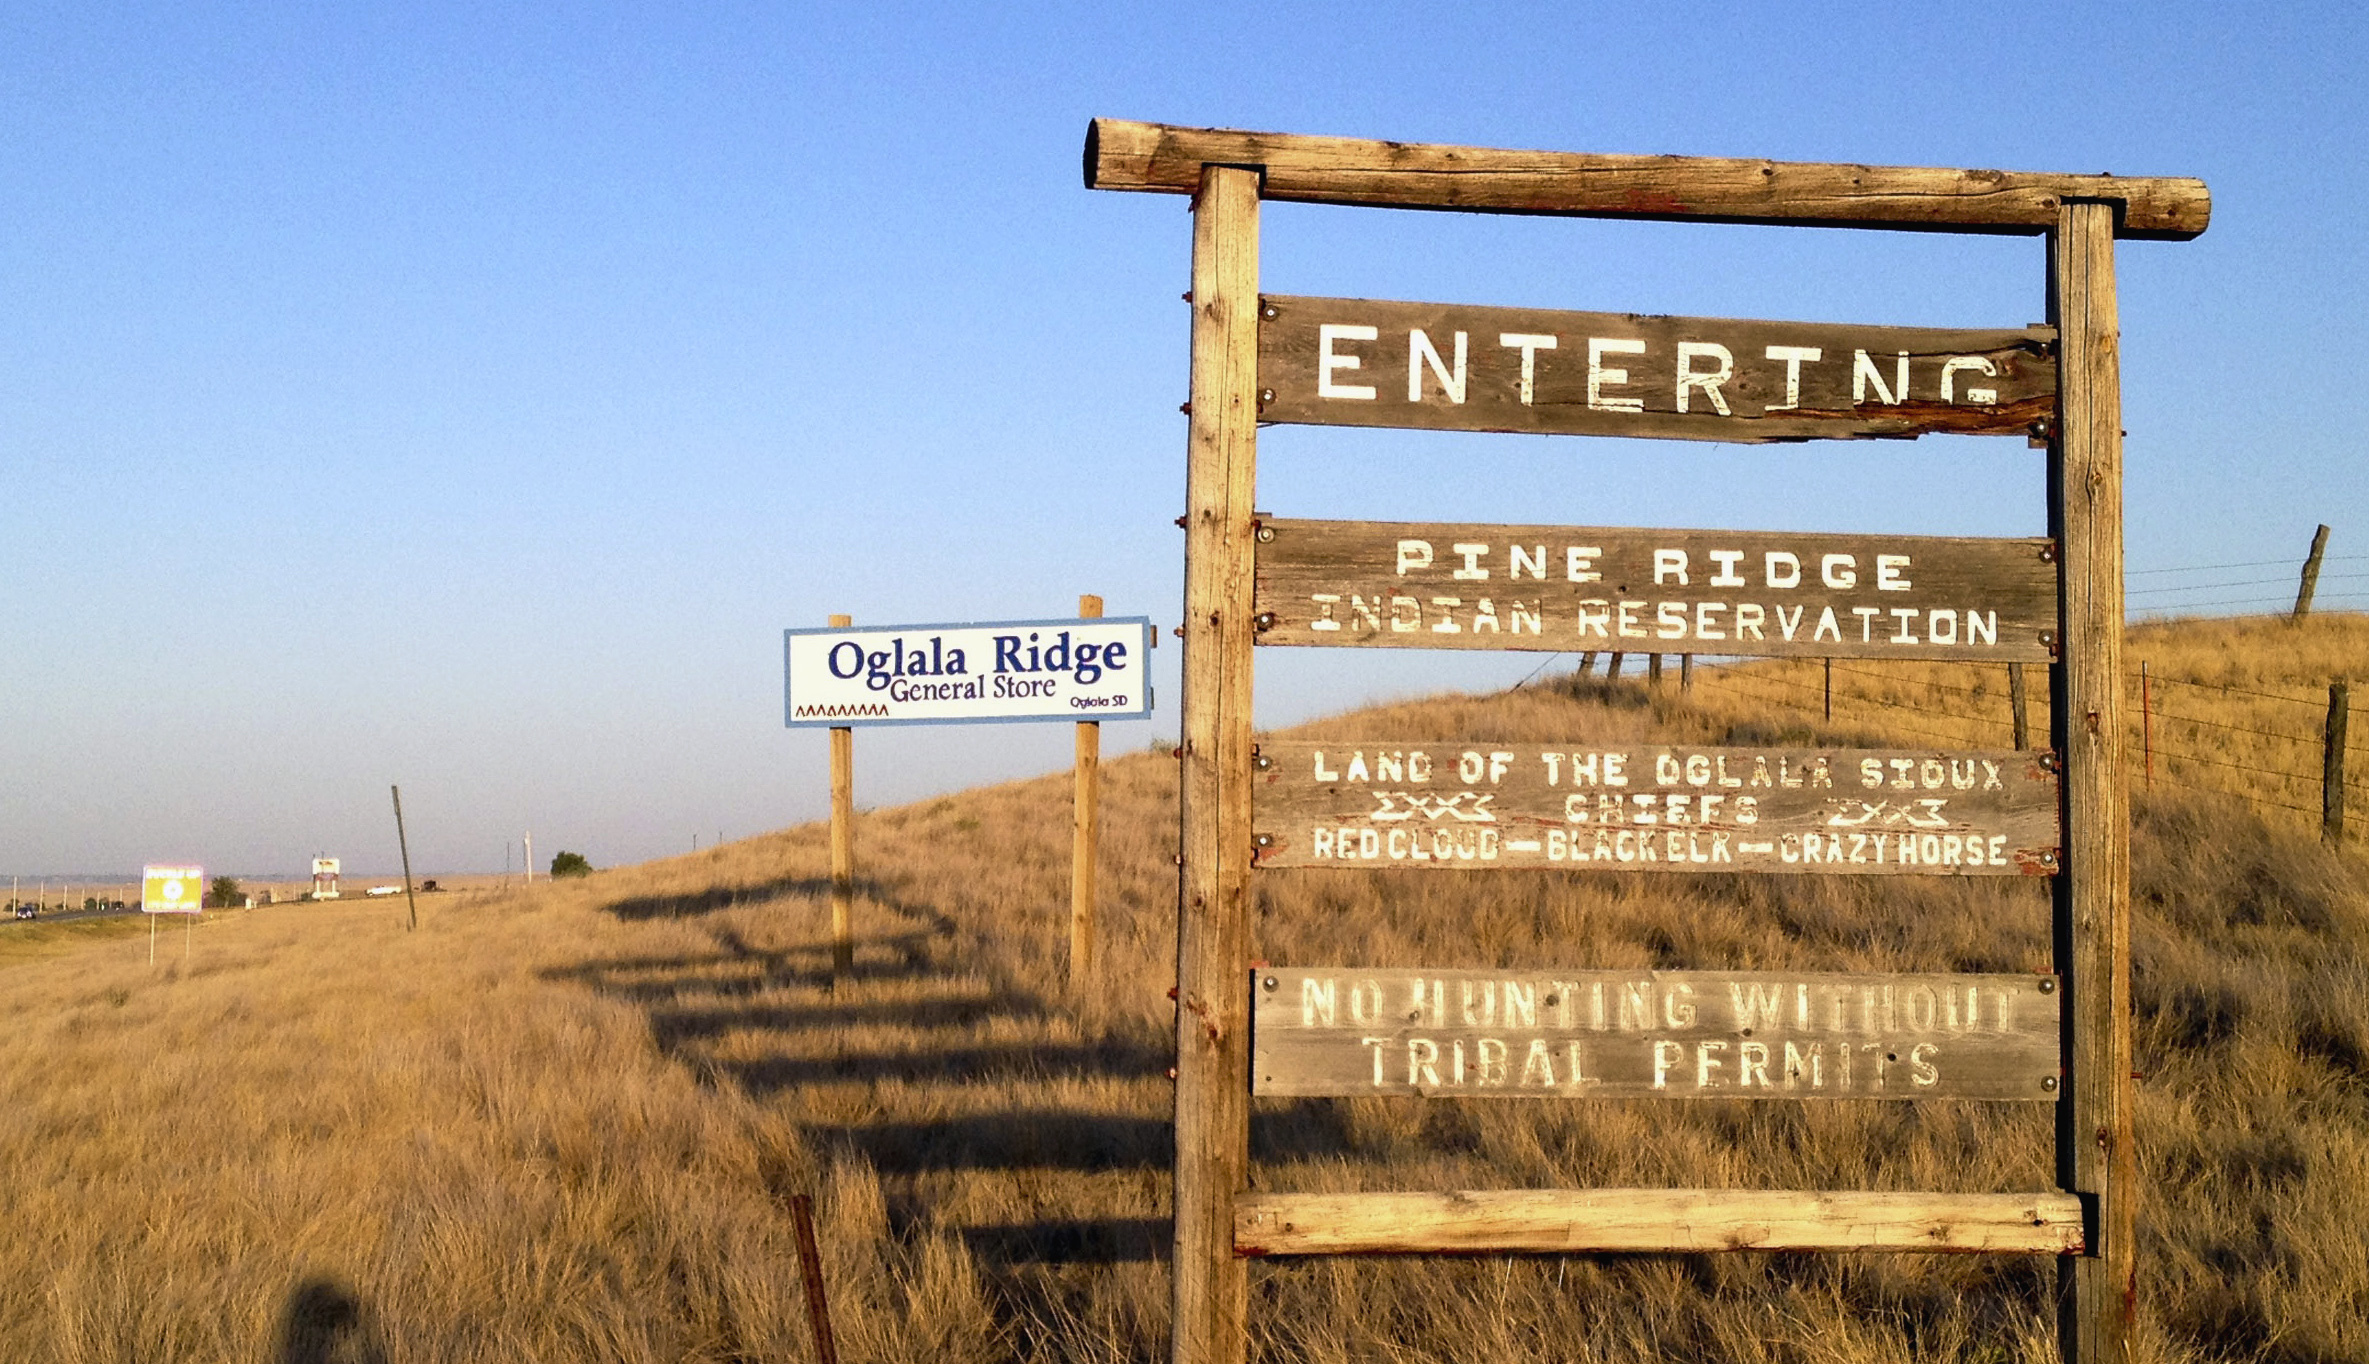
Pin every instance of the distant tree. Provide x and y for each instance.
(570, 864)
(224, 892)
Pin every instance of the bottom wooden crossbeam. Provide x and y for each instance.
(1589, 1220)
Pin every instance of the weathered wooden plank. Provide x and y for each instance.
(1581, 1221)
(1210, 1293)
(2095, 1154)
(1558, 1034)
(1463, 367)
(1653, 807)
(1126, 155)
(1558, 589)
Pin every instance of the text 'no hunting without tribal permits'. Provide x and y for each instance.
(1571, 588)
(1644, 807)
(1458, 367)
(1547, 1034)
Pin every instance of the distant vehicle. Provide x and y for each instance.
(384, 890)
(26, 911)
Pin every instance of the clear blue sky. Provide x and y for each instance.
(466, 396)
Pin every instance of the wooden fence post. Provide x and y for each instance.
(1587, 664)
(842, 840)
(1686, 672)
(2018, 713)
(2311, 573)
(1086, 812)
(1829, 688)
(1612, 665)
(1210, 1293)
(2095, 1159)
(1653, 671)
(2332, 763)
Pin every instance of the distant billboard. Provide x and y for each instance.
(172, 890)
(1090, 669)
(325, 871)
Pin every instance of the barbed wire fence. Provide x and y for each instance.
(2270, 749)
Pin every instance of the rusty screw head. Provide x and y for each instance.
(2048, 1082)
(1266, 395)
(1270, 982)
(2048, 985)
(1265, 620)
(1266, 535)
(1266, 310)
(1264, 840)
(1261, 761)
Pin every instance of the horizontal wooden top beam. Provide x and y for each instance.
(1122, 154)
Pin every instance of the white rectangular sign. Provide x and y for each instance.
(172, 890)
(951, 674)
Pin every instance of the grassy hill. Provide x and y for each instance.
(565, 1124)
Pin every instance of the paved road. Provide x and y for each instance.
(56, 917)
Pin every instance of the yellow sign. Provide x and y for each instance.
(172, 890)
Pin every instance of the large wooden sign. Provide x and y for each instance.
(1460, 367)
(1649, 807)
(1568, 588)
(1259, 358)
(1652, 1034)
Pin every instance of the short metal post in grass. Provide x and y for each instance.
(818, 1307)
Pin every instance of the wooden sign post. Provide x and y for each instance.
(1085, 832)
(1248, 581)
(977, 672)
(842, 840)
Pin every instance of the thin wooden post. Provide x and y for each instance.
(2019, 714)
(2332, 763)
(1612, 665)
(1829, 687)
(1653, 671)
(403, 845)
(2311, 573)
(1686, 672)
(2147, 720)
(1086, 829)
(810, 1266)
(1209, 1284)
(2095, 1159)
(842, 840)
(1587, 664)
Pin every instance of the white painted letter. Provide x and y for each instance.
(1598, 376)
(1327, 361)
(1419, 350)
(1706, 380)
(1530, 344)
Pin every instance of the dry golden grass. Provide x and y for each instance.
(564, 1125)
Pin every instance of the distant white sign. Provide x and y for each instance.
(949, 674)
(172, 890)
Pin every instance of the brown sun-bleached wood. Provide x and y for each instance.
(1379, 803)
(842, 840)
(1209, 1284)
(1563, 1033)
(2095, 1156)
(1086, 831)
(1122, 154)
(1529, 371)
(1421, 585)
(1570, 1221)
